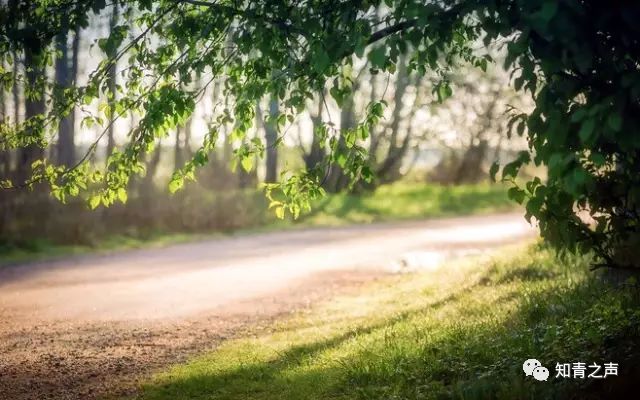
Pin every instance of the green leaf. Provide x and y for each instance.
(350, 138)
(597, 159)
(511, 169)
(359, 49)
(320, 59)
(176, 184)
(533, 207)
(494, 170)
(247, 162)
(444, 91)
(337, 94)
(586, 130)
(94, 202)
(615, 121)
(578, 115)
(483, 65)
(341, 159)
(549, 9)
(122, 195)
(280, 212)
(378, 57)
(103, 44)
(516, 194)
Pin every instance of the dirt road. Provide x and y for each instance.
(90, 326)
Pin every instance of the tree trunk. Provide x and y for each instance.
(112, 81)
(65, 149)
(336, 179)
(6, 208)
(183, 145)
(5, 155)
(33, 106)
(316, 152)
(12, 14)
(271, 137)
(177, 150)
(389, 168)
(147, 185)
(14, 91)
(470, 169)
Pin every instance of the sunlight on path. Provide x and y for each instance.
(187, 279)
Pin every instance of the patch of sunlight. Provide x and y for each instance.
(425, 335)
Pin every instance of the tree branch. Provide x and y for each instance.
(390, 30)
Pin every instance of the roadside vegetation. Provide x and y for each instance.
(175, 219)
(403, 201)
(460, 332)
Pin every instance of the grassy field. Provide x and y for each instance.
(461, 332)
(399, 201)
(402, 201)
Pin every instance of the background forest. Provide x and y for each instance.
(420, 140)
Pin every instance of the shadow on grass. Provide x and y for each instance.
(260, 379)
(475, 353)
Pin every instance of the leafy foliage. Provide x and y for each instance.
(578, 59)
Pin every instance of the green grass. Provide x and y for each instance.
(402, 201)
(461, 332)
(395, 202)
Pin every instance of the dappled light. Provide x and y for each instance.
(460, 332)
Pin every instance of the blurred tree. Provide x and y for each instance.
(472, 125)
(5, 154)
(578, 59)
(271, 137)
(391, 142)
(182, 147)
(182, 144)
(34, 106)
(15, 88)
(316, 153)
(147, 185)
(65, 76)
(336, 179)
(111, 51)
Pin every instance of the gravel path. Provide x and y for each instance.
(93, 326)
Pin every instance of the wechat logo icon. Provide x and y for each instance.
(533, 367)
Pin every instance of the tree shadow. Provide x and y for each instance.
(465, 361)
